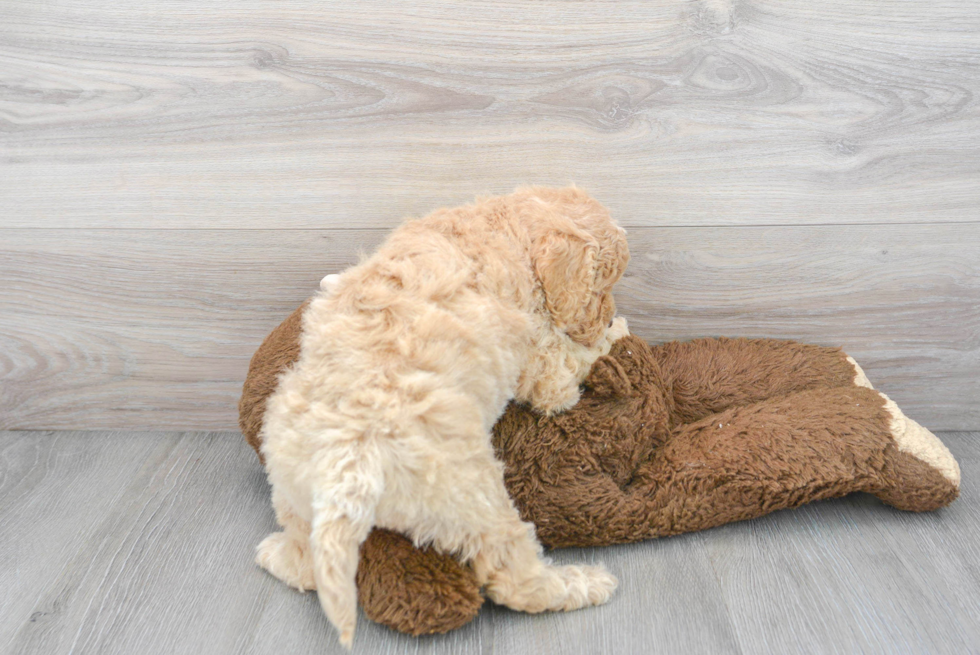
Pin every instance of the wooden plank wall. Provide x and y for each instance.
(176, 177)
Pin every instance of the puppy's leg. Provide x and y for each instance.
(516, 575)
(509, 560)
(347, 484)
(286, 554)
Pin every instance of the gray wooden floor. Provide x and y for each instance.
(122, 542)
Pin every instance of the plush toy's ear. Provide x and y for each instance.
(565, 263)
(608, 378)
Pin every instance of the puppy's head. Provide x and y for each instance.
(578, 254)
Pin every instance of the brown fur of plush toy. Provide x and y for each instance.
(665, 440)
(278, 351)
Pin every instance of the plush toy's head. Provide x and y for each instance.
(609, 432)
(564, 471)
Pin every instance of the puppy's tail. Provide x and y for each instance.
(345, 495)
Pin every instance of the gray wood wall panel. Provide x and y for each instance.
(154, 328)
(786, 168)
(257, 114)
(133, 542)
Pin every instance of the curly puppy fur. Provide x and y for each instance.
(405, 366)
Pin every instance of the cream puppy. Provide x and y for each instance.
(406, 362)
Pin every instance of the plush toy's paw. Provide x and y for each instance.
(915, 440)
(860, 379)
(587, 585)
(912, 438)
(287, 559)
(418, 591)
(923, 474)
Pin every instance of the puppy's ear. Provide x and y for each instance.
(565, 263)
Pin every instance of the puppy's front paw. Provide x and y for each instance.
(557, 401)
(287, 559)
(587, 585)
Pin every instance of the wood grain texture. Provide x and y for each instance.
(253, 114)
(842, 571)
(154, 328)
(175, 178)
(56, 490)
(142, 543)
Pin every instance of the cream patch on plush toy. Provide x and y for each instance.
(860, 379)
(911, 437)
(917, 441)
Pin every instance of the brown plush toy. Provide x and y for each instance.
(665, 440)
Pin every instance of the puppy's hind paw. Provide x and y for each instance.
(586, 585)
(287, 559)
